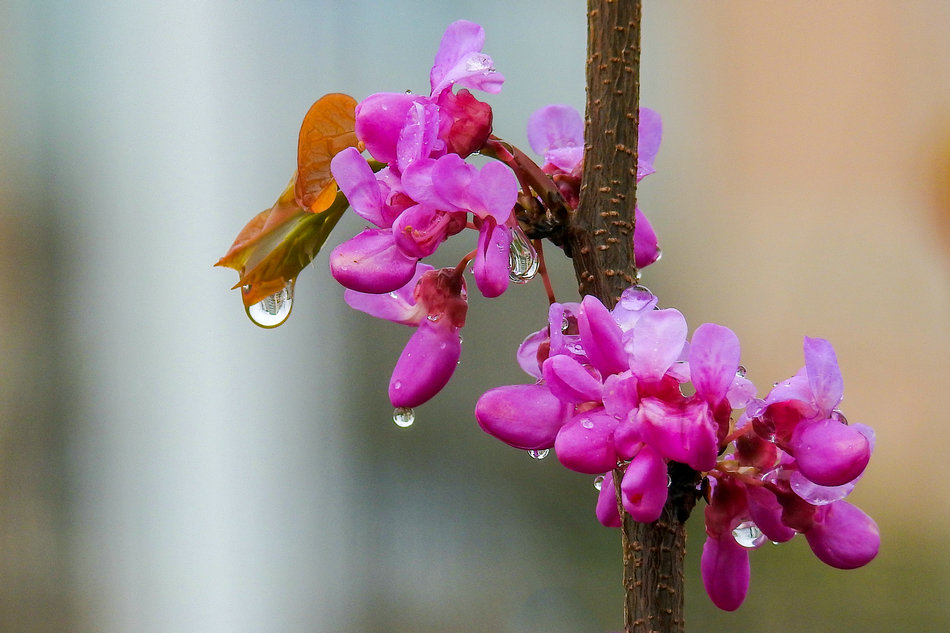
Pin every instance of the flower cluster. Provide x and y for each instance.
(419, 191)
(611, 397)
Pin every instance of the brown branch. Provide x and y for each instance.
(600, 240)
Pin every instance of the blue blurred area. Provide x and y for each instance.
(166, 466)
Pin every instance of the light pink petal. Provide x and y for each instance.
(460, 60)
(620, 394)
(656, 342)
(528, 353)
(824, 375)
(683, 432)
(419, 134)
(497, 189)
(425, 365)
(725, 571)
(524, 416)
(371, 262)
(358, 183)
(648, 142)
(713, 361)
(398, 306)
(556, 127)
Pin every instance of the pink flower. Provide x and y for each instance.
(434, 302)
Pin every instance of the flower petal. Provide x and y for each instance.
(524, 416)
(713, 361)
(725, 570)
(644, 486)
(585, 443)
(844, 536)
(656, 343)
(398, 306)
(372, 262)
(570, 381)
(601, 337)
(425, 365)
(358, 183)
(824, 375)
(491, 259)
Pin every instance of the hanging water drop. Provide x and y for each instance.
(404, 417)
(538, 453)
(598, 482)
(741, 371)
(748, 534)
(523, 263)
(273, 310)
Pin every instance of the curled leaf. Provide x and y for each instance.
(327, 129)
(278, 243)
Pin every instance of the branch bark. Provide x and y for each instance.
(600, 239)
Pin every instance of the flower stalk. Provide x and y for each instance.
(601, 246)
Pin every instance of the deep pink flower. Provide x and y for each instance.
(843, 536)
(434, 302)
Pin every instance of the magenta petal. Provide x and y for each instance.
(371, 262)
(713, 361)
(766, 512)
(824, 375)
(683, 431)
(830, 453)
(425, 365)
(645, 247)
(491, 259)
(380, 118)
(524, 416)
(420, 229)
(620, 394)
(644, 486)
(725, 570)
(569, 381)
(844, 536)
(601, 337)
(358, 183)
(607, 511)
(585, 444)
(656, 342)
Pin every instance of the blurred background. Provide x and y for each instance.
(166, 466)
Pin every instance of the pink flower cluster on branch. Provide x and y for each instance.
(419, 190)
(610, 397)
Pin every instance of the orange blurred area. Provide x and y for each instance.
(167, 466)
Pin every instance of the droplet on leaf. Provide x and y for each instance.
(273, 310)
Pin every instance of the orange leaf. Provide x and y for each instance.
(327, 130)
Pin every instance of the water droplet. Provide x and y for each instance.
(434, 317)
(599, 482)
(659, 254)
(478, 63)
(404, 417)
(408, 92)
(523, 263)
(538, 454)
(587, 423)
(748, 534)
(741, 371)
(839, 416)
(669, 480)
(637, 298)
(273, 310)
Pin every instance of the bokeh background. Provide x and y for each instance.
(165, 466)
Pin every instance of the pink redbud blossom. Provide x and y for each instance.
(843, 536)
